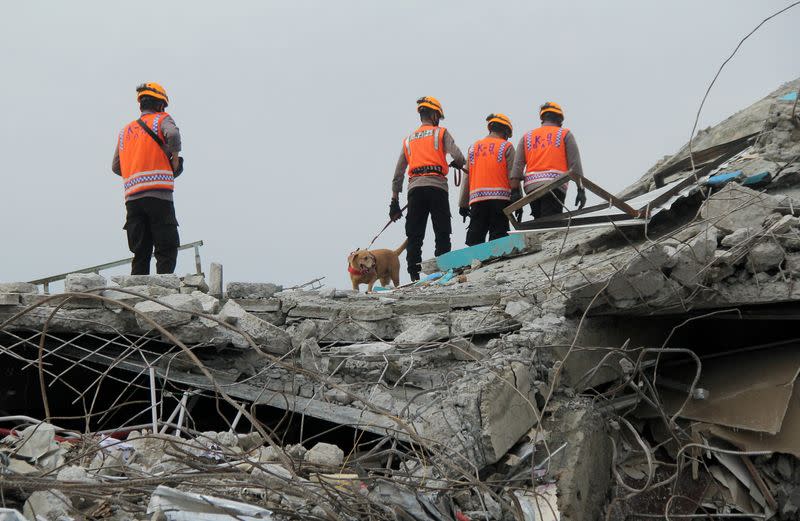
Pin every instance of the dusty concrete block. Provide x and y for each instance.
(311, 356)
(170, 281)
(507, 411)
(252, 290)
(736, 207)
(480, 321)
(9, 299)
(184, 305)
(419, 307)
(654, 258)
(371, 352)
(326, 310)
(635, 287)
(303, 330)
(518, 309)
(215, 279)
(584, 465)
(371, 313)
(209, 305)
(474, 300)
(80, 282)
(260, 305)
(325, 454)
(196, 281)
(98, 320)
(18, 287)
(764, 256)
(271, 338)
(463, 350)
(426, 332)
(47, 504)
(737, 238)
(138, 294)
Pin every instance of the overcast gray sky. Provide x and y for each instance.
(292, 113)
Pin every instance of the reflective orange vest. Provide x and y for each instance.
(545, 155)
(488, 170)
(424, 151)
(143, 163)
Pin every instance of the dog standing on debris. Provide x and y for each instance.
(369, 266)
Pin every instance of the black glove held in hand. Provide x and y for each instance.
(580, 199)
(394, 210)
(464, 212)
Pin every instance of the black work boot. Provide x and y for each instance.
(414, 276)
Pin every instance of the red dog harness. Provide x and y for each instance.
(354, 271)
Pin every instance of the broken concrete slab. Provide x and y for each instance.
(736, 207)
(427, 332)
(325, 454)
(47, 504)
(251, 290)
(419, 307)
(765, 255)
(260, 305)
(184, 306)
(215, 280)
(272, 338)
(170, 281)
(18, 287)
(9, 299)
(81, 282)
(507, 410)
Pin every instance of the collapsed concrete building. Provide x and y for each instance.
(611, 367)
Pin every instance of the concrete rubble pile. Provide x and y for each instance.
(609, 373)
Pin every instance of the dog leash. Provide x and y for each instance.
(403, 209)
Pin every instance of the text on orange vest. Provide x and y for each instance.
(488, 170)
(424, 151)
(545, 155)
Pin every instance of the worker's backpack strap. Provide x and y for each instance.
(161, 145)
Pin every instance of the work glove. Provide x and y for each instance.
(516, 195)
(580, 199)
(464, 213)
(394, 210)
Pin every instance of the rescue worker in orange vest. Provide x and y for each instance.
(487, 187)
(544, 154)
(424, 155)
(147, 159)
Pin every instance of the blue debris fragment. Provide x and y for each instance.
(792, 96)
(756, 179)
(723, 178)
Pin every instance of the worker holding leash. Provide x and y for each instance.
(424, 155)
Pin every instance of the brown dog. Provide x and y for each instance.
(368, 266)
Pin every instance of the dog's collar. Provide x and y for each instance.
(354, 271)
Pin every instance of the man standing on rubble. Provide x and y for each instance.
(424, 154)
(147, 159)
(488, 187)
(546, 153)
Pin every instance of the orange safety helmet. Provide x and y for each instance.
(152, 89)
(431, 103)
(551, 106)
(502, 119)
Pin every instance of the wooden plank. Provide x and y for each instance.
(541, 190)
(600, 191)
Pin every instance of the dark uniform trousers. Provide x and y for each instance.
(424, 201)
(550, 204)
(486, 217)
(152, 228)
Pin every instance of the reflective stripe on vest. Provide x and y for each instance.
(143, 163)
(424, 151)
(545, 155)
(488, 170)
